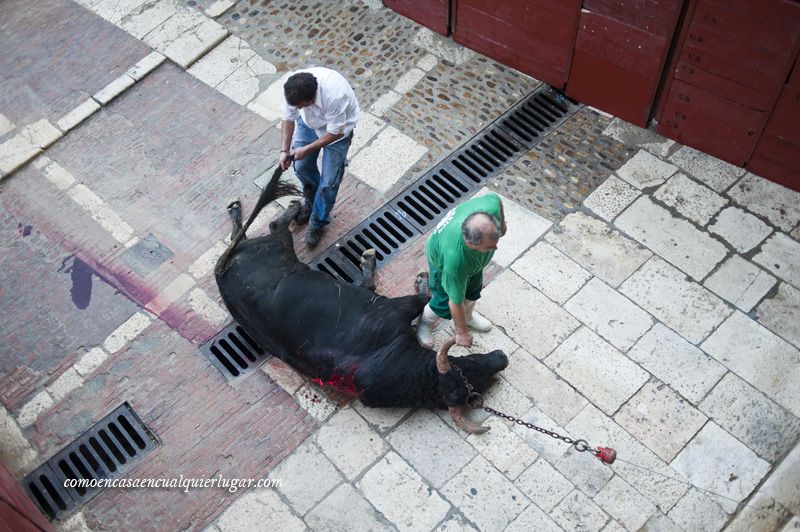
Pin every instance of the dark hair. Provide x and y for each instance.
(474, 235)
(300, 88)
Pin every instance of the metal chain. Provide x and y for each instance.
(475, 400)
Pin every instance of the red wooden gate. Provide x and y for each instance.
(533, 36)
(620, 52)
(777, 154)
(434, 14)
(730, 65)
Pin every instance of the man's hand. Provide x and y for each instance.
(464, 339)
(284, 160)
(300, 152)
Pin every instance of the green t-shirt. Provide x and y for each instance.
(447, 251)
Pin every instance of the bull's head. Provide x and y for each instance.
(477, 369)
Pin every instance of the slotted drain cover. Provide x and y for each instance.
(234, 352)
(423, 203)
(107, 451)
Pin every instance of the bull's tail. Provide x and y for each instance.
(275, 189)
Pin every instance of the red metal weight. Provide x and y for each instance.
(606, 454)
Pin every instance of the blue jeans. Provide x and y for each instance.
(320, 190)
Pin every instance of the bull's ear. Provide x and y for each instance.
(451, 389)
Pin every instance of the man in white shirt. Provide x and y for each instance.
(320, 111)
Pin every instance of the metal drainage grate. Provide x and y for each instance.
(106, 451)
(423, 203)
(234, 352)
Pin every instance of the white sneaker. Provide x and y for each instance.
(475, 321)
(424, 324)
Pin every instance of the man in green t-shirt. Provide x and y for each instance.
(458, 250)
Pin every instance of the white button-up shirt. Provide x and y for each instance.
(335, 108)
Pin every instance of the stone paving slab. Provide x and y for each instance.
(554, 396)
(609, 314)
(682, 366)
(600, 372)
(661, 419)
(781, 255)
(538, 327)
(696, 202)
(778, 204)
(602, 251)
(551, 272)
(348, 441)
(625, 504)
(432, 448)
(717, 462)
(773, 311)
(686, 307)
(697, 511)
(739, 228)
(758, 356)
(740, 282)
(715, 173)
(583, 470)
(328, 514)
(405, 500)
(486, 497)
(611, 198)
(641, 468)
(674, 239)
(751, 417)
(644, 170)
(543, 485)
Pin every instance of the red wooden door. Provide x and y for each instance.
(777, 154)
(532, 36)
(730, 66)
(17, 511)
(433, 14)
(620, 52)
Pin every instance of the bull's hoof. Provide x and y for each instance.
(293, 212)
(368, 258)
(235, 211)
(421, 284)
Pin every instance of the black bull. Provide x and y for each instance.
(336, 333)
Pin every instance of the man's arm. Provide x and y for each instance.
(287, 130)
(459, 314)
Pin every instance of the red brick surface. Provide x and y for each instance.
(205, 426)
(38, 83)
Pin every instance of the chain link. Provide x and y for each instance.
(475, 400)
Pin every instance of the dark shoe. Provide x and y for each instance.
(303, 215)
(313, 235)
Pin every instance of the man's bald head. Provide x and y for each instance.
(481, 231)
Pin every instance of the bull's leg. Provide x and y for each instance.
(410, 307)
(235, 211)
(287, 216)
(421, 286)
(368, 270)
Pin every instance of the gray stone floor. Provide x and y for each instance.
(647, 297)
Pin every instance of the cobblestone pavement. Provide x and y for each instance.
(647, 294)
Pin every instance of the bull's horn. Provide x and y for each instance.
(464, 423)
(442, 364)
